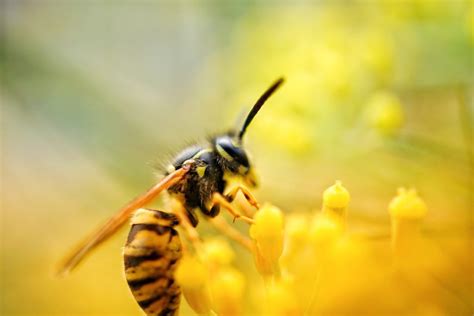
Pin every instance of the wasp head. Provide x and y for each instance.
(234, 158)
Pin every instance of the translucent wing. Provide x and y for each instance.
(117, 221)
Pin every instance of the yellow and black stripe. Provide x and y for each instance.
(151, 255)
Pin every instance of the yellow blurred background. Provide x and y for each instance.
(96, 95)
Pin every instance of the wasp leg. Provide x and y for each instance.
(220, 224)
(219, 199)
(230, 196)
(189, 229)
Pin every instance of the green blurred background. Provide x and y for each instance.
(96, 95)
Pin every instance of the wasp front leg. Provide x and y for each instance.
(231, 195)
(219, 199)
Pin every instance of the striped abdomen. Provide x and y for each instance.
(151, 255)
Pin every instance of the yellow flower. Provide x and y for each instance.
(228, 289)
(296, 239)
(378, 54)
(336, 196)
(385, 113)
(407, 205)
(407, 209)
(192, 276)
(335, 201)
(296, 229)
(281, 299)
(336, 72)
(324, 231)
(267, 232)
(217, 251)
(268, 223)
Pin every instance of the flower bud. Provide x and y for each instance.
(192, 276)
(385, 113)
(217, 251)
(296, 242)
(324, 231)
(281, 299)
(335, 201)
(296, 231)
(336, 196)
(377, 53)
(228, 289)
(267, 232)
(406, 210)
(407, 205)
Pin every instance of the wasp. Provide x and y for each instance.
(197, 178)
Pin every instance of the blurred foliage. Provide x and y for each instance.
(378, 94)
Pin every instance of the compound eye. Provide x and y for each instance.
(232, 151)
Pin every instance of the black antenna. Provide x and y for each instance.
(258, 105)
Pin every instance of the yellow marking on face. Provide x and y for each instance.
(223, 153)
(232, 178)
(201, 170)
(243, 169)
(250, 178)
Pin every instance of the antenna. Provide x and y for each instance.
(258, 105)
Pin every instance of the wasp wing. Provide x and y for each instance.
(117, 221)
